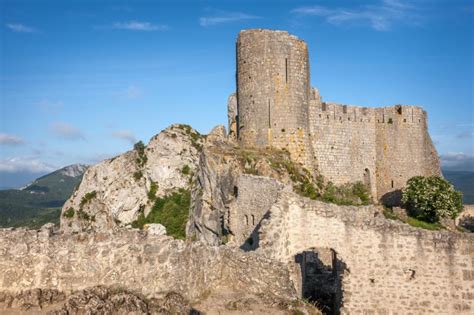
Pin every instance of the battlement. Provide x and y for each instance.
(276, 107)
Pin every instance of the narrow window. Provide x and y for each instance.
(236, 191)
(344, 109)
(286, 70)
(324, 106)
(246, 220)
(392, 183)
(253, 219)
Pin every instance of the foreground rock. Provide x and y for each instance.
(115, 191)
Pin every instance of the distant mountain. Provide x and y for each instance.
(40, 201)
(462, 181)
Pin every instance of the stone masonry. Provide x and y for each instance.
(382, 147)
(383, 266)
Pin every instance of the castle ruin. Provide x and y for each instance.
(275, 106)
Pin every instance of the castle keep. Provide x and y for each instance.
(275, 107)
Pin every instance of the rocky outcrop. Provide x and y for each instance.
(234, 188)
(115, 191)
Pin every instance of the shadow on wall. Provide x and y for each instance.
(467, 222)
(321, 274)
(392, 198)
(253, 240)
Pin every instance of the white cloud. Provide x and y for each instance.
(24, 164)
(125, 135)
(380, 17)
(139, 26)
(21, 28)
(66, 131)
(465, 135)
(6, 139)
(457, 161)
(225, 17)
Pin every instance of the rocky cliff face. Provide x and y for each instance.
(235, 187)
(115, 191)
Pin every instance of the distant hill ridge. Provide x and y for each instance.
(40, 201)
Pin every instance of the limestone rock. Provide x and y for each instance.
(116, 190)
(155, 229)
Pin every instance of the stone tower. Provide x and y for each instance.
(273, 92)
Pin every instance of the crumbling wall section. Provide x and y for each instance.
(390, 267)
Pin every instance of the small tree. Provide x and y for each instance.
(431, 198)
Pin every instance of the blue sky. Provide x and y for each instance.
(81, 81)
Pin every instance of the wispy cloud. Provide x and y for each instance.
(125, 135)
(66, 131)
(380, 17)
(24, 164)
(221, 17)
(457, 161)
(6, 139)
(465, 135)
(21, 28)
(139, 26)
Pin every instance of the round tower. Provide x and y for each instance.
(273, 91)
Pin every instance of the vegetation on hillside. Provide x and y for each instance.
(303, 181)
(171, 211)
(38, 203)
(431, 198)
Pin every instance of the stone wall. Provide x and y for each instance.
(389, 267)
(254, 196)
(403, 149)
(382, 147)
(132, 260)
(273, 92)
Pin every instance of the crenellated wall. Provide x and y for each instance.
(382, 147)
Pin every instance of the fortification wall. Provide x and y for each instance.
(382, 147)
(389, 267)
(273, 92)
(129, 259)
(403, 149)
(344, 140)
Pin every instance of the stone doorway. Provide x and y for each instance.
(320, 276)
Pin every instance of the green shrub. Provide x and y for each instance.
(137, 175)
(185, 170)
(431, 198)
(139, 147)
(88, 197)
(171, 211)
(81, 214)
(153, 190)
(69, 213)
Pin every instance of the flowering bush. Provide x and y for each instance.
(431, 198)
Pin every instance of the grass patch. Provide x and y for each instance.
(389, 214)
(171, 211)
(424, 225)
